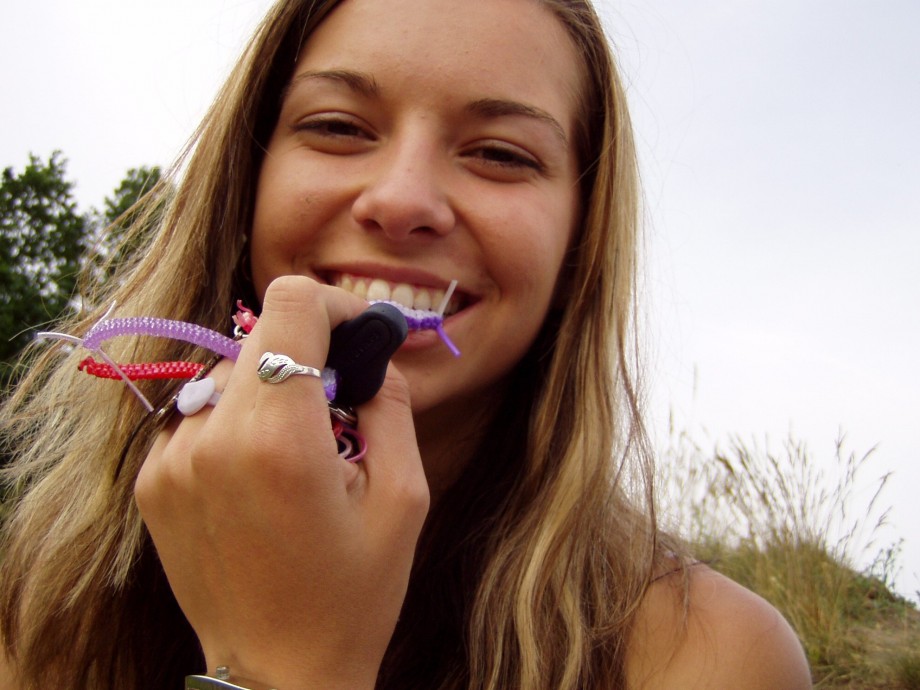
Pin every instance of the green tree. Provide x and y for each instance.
(118, 214)
(42, 240)
(137, 182)
(45, 242)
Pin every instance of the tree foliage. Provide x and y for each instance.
(45, 243)
(42, 239)
(112, 241)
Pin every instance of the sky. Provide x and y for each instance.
(781, 163)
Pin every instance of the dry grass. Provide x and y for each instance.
(792, 529)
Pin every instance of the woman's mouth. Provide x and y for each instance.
(425, 308)
(410, 296)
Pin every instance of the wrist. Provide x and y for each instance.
(223, 680)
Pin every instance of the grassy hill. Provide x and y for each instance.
(790, 529)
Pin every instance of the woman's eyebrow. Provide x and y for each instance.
(495, 107)
(366, 86)
(363, 84)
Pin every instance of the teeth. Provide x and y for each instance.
(378, 290)
(360, 289)
(403, 293)
(422, 300)
(437, 296)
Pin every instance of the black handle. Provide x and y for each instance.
(360, 348)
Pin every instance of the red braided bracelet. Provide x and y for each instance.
(144, 370)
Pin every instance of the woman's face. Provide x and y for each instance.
(422, 141)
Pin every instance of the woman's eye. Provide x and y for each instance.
(331, 127)
(505, 157)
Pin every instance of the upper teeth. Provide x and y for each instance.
(407, 295)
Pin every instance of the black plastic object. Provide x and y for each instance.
(360, 348)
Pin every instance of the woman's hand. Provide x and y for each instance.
(290, 563)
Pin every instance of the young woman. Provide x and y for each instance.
(499, 532)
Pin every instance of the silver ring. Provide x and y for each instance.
(277, 368)
(344, 414)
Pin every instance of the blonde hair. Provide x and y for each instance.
(555, 540)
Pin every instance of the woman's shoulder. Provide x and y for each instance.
(712, 634)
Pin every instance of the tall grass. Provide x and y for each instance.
(793, 530)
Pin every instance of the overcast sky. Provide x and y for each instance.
(782, 167)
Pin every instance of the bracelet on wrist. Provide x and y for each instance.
(222, 681)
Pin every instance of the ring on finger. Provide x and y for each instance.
(277, 368)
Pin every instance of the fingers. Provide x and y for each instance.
(268, 433)
(167, 463)
(261, 430)
(284, 420)
(393, 460)
(297, 318)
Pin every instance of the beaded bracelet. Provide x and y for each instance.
(106, 329)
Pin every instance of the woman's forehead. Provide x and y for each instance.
(510, 49)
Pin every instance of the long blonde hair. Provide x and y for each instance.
(551, 527)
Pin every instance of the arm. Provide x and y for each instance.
(731, 639)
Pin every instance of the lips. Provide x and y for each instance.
(411, 296)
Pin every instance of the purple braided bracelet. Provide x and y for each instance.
(162, 328)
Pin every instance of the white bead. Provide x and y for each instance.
(195, 395)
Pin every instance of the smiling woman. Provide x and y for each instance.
(424, 165)
(499, 530)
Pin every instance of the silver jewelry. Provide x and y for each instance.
(222, 680)
(277, 368)
(344, 414)
(210, 683)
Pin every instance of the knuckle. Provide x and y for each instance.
(145, 488)
(291, 292)
(420, 502)
(155, 478)
(211, 448)
(410, 491)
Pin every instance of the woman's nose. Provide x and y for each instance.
(405, 194)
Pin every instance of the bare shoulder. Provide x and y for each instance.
(720, 636)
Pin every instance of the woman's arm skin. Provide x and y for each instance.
(732, 639)
(290, 563)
